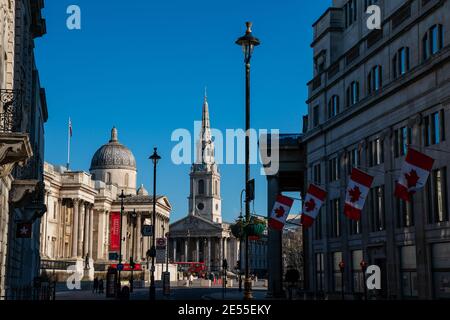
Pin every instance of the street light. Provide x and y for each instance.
(155, 158)
(119, 266)
(248, 42)
(364, 265)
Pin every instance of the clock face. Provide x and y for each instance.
(200, 206)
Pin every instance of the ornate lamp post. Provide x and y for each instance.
(248, 42)
(155, 158)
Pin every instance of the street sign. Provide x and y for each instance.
(147, 230)
(161, 255)
(161, 243)
(114, 256)
(120, 266)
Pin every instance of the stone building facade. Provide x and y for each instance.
(22, 117)
(76, 228)
(202, 236)
(373, 94)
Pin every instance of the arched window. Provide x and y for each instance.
(432, 41)
(353, 94)
(127, 178)
(216, 187)
(400, 62)
(333, 106)
(201, 187)
(374, 79)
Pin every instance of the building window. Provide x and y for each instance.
(351, 12)
(108, 177)
(127, 178)
(337, 275)
(334, 169)
(376, 152)
(400, 63)
(216, 187)
(354, 159)
(402, 138)
(353, 94)
(333, 106)
(55, 208)
(358, 276)
(317, 174)
(437, 196)
(355, 227)
(405, 214)
(320, 272)
(374, 81)
(432, 41)
(316, 116)
(335, 219)
(201, 187)
(318, 227)
(376, 209)
(408, 271)
(434, 128)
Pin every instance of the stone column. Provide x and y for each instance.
(86, 229)
(221, 252)
(75, 227)
(61, 237)
(209, 254)
(197, 250)
(80, 228)
(174, 241)
(138, 238)
(91, 231)
(106, 236)
(186, 258)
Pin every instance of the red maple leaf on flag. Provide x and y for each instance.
(310, 205)
(412, 178)
(280, 212)
(355, 194)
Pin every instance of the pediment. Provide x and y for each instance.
(194, 225)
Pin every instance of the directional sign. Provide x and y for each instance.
(147, 230)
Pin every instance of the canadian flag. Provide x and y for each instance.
(357, 191)
(315, 197)
(280, 212)
(415, 172)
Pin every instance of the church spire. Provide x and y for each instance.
(205, 114)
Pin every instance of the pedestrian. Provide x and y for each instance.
(95, 288)
(100, 286)
(191, 279)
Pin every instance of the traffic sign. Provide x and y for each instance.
(114, 256)
(160, 255)
(147, 230)
(161, 243)
(120, 266)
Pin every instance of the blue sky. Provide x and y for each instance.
(142, 67)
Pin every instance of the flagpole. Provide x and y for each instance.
(68, 145)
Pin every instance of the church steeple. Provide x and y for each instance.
(204, 198)
(205, 146)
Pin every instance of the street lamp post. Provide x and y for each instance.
(132, 264)
(363, 265)
(248, 43)
(155, 158)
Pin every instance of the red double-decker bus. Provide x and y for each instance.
(192, 267)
